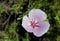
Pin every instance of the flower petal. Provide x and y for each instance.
(44, 26)
(37, 14)
(25, 24)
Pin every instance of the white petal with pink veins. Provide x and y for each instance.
(44, 26)
(37, 14)
(26, 24)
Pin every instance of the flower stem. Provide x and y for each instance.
(27, 36)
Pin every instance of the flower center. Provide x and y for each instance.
(34, 24)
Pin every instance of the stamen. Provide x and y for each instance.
(34, 24)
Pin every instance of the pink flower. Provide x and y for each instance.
(35, 22)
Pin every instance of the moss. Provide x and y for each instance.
(12, 12)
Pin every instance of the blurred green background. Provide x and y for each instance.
(12, 12)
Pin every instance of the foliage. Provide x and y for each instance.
(12, 12)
